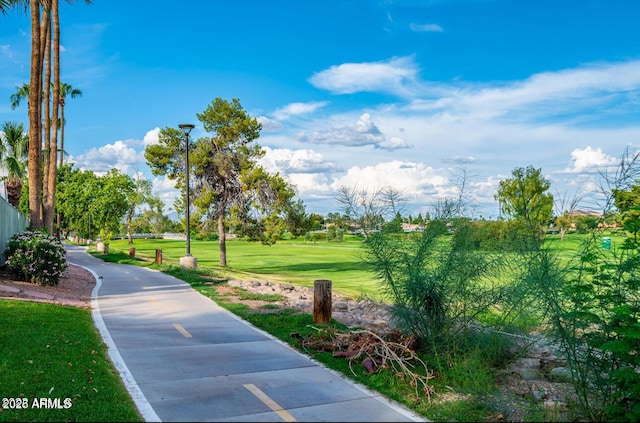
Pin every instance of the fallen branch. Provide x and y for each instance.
(375, 353)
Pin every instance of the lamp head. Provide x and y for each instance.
(186, 127)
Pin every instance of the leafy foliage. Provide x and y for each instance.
(89, 203)
(229, 186)
(14, 147)
(438, 283)
(36, 257)
(593, 306)
(524, 197)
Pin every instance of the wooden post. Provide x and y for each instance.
(158, 256)
(322, 301)
(132, 252)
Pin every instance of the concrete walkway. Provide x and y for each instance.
(184, 358)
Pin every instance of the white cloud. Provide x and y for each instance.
(459, 159)
(394, 143)
(364, 132)
(541, 95)
(288, 161)
(590, 160)
(117, 155)
(151, 137)
(269, 124)
(396, 75)
(416, 180)
(425, 27)
(295, 109)
(311, 185)
(165, 189)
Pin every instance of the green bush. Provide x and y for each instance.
(593, 306)
(37, 257)
(438, 283)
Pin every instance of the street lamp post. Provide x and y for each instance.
(188, 261)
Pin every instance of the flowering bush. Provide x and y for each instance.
(36, 257)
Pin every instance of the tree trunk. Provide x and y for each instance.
(53, 147)
(35, 115)
(222, 241)
(45, 41)
(129, 237)
(61, 162)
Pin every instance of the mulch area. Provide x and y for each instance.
(74, 289)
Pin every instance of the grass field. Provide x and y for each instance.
(294, 262)
(54, 367)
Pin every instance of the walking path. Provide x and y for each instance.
(184, 358)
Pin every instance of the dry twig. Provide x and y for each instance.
(375, 353)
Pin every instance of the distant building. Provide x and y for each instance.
(589, 213)
(409, 227)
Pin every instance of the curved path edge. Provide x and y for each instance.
(145, 409)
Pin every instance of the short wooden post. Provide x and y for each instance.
(106, 249)
(158, 256)
(132, 252)
(322, 301)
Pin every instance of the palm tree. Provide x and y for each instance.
(14, 148)
(43, 30)
(65, 90)
(35, 117)
(21, 93)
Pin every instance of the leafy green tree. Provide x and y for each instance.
(14, 148)
(113, 200)
(628, 203)
(76, 191)
(153, 219)
(584, 224)
(89, 203)
(394, 225)
(316, 222)
(297, 220)
(332, 234)
(139, 195)
(563, 223)
(225, 172)
(524, 197)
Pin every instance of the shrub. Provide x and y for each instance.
(437, 283)
(36, 257)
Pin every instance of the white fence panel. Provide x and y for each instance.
(11, 222)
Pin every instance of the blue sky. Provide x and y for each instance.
(360, 93)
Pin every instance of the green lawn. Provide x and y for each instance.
(295, 262)
(53, 355)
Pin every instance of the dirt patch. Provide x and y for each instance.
(74, 289)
